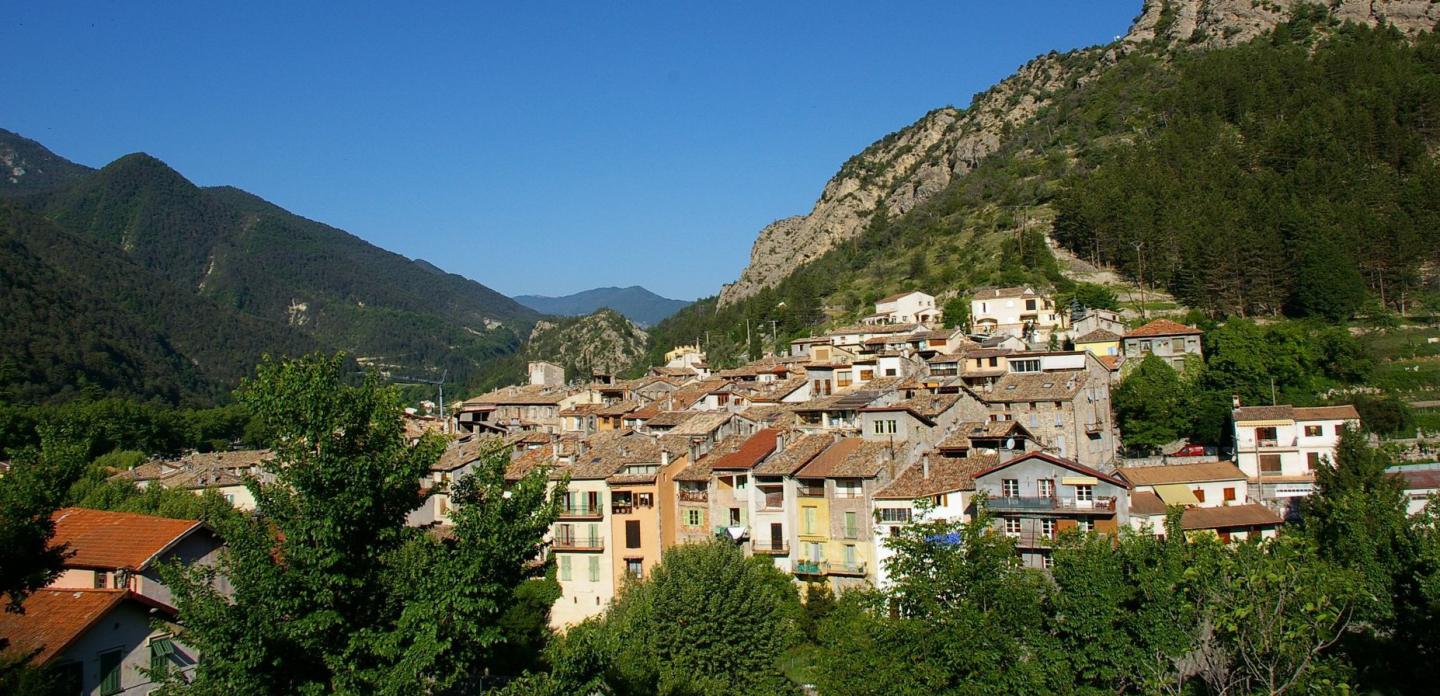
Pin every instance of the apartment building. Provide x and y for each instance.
(1037, 496)
(1021, 311)
(1279, 447)
(835, 533)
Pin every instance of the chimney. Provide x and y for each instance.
(664, 458)
(1235, 399)
(925, 463)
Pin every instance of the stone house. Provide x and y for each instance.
(1037, 496)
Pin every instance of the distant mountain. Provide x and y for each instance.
(230, 258)
(636, 303)
(603, 341)
(27, 167)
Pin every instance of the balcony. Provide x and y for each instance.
(621, 508)
(770, 548)
(848, 569)
(563, 543)
(1024, 504)
(694, 496)
(583, 512)
(808, 568)
(1274, 443)
(1032, 540)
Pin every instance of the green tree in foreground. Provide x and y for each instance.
(332, 592)
(708, 621)
(29, 494)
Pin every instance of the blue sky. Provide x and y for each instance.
(537, 147)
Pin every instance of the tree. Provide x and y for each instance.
(1147, 405)
(332, 592)
(29, 495)
(957, 312)
(1327, 283)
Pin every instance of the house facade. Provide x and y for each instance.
(1037, 496)
(1279, 447)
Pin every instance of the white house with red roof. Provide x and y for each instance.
(1279, 447)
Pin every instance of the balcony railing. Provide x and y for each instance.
(1271, 442)
(621, 508)
(583, 512)
(694, 496)
(811, 491)
(808, 567)
(1037, 504)
(855, 568)
(563, 543)
(768, 548)
(1032, 540)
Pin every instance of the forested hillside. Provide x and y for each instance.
(1294, 174)
(222, 260)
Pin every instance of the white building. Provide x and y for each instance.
(935, 488)
(1021, 312)
(912, 307)
(1279, 447)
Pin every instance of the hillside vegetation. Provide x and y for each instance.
(1294, 173)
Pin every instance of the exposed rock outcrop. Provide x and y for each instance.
(907, 167)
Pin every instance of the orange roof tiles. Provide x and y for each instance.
(102, 539)
(1164, 327)
(750, 453)
(54, 619)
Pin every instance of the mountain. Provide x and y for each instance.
(245, 260)
(636, 303)
(603, 342)
(27, 167)
(1240, 156)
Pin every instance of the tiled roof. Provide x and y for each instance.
(851, 458)
(701, 424)
(583, 410)
(463, 452)
(928, 406)
(521, 466)
(946, 475)
(876, 329)
(799, 451)
(1111, 362)
(670, 419)
(1098, 336)
(1057, 461)
(969, 430)
(778, 390)
(994, 292)
(619, 408)
(1146, 503)
(897, 296)
(1163, 327)
(102, 539)
(1264, 413)
(1036, 386)
(196, 479)
(1181, 473)
(1416, 480)
(530, 395)
(750, 453)
(1314, 413)
(54, 619)
(1249, 515)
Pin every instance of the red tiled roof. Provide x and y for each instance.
(54, 619)
(1248, 515)
(1164, 327)
(101, 539)
(1423, 479)
(1341, 412)
(750, 453)
(1181, 473)
(1111, 362)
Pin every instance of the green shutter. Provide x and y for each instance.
(110, 672)
(565, 568)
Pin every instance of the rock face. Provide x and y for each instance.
(909, 166)
(601, 342)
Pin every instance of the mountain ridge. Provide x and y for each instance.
(635, 303)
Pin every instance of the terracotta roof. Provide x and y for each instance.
(1341, 412)
(102, 539)
(1415, 480)
(197, 479)
(1263, 413)
(875, 329)
(927, 406)
(463, 452)
(54, 619)
(1146, 503)
(1181, 473)
(582, 410)
(528, 461)
(1163, 327)
(779, 389)
(750, 453)
(798, 451)
(530, 395)
(1036, 386)
(702, 424)
(947, 475)
(1057, 461)
(1248, 515)
(1098, 336)
(969, 430)
(619, 408)
(670, 419)
(993, 292)
(1111, 362)
(850, 458)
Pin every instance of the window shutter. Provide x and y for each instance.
(632, 534)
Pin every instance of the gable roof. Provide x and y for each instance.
(798, 452)
(1181, 473)
(1248, 515)
(1037, 386)
(1057, 461)
(1163, 327)
(1146, 504)
(1341, 412)
(849, 458)
(969, 430)
(105, 540)
(54, 619)
(1099, 336)
(750, 452)
(897, 296)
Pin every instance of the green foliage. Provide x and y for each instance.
(1148, 405)
(707, 621)
(112, 424)
(29, 493)
(1299, 359)
(1385, 415)
(1089, 295)
(332, 591)
(957, 312)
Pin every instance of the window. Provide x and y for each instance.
(632, 534)
(1030, 305)
(847, 488)
(1012, 526)
(815, 551)
(594, 568)
(1029, 365)
(1313, 431)
(867, 375)
(1144, 346)
(1047, 561)
(1269, 463)
(593, 535)
(1312, 460)
(1266, 436)
(692, 518)
(741, 482)
(648, 499)
(1229, 494)
(110, 672)
(850, 555)
(809, 519)
(102, 579)
(160, 651)
(565, 568)
(1339, 429)
(1047, 527)
(1010, 488)
(1085, 526)
(1200, 494)
(635, 567)
(895, 515)
(734, 517)
(852, 529)
(1045, 488)
(1085, 493)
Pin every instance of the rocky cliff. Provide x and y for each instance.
(603, 342)
(911, 165)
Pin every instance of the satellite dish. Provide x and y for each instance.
(1010, 444)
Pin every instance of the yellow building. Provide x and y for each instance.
(1100, 343)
